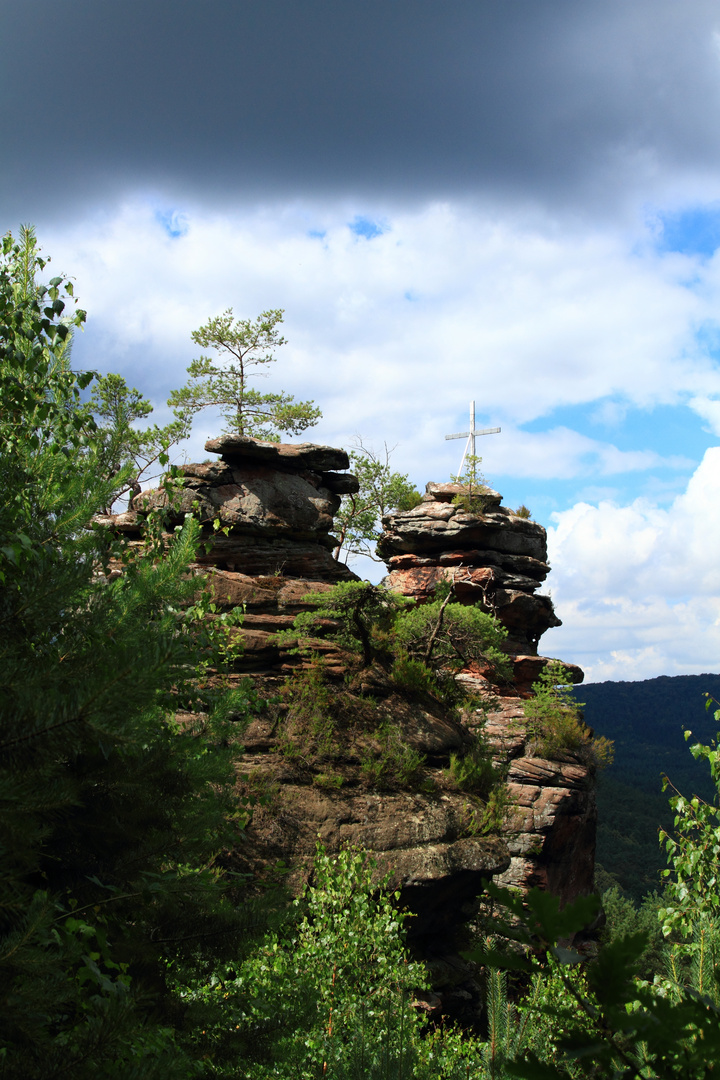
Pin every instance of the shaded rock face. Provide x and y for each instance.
(339, 787)
(496, 560)
(551, 822)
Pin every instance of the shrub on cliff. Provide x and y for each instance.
(362, 616)
(473, 498)
(452, 636)
(554, 724)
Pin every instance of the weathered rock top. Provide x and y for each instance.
(447, 492)
(294, 456)
(438, 525)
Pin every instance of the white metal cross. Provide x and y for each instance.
(471, 436)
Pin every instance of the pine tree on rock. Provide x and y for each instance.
(243, 346)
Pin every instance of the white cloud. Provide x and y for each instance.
(523, 315)
(638, 587)
(561, 453)
(709, 410)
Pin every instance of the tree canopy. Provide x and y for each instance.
(245, 347)
(381, 490)
(111, 816)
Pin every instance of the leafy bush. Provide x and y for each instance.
(522, 512)
(413, 676)
(360, 612)
(553, 721)
(473, 771)
(449, 635)
(330, 994)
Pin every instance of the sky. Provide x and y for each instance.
(515, 202)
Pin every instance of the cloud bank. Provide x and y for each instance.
(638, 586)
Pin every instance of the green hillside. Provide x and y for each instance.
(646, 721)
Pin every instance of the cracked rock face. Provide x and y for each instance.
(551, 823)
(498, 560)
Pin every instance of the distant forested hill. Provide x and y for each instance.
(646, 721)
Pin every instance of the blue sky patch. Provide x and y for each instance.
(694, 231)
(364, 226)
(669, 430)
(317, 234)
(173, 222)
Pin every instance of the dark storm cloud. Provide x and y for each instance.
(549, 98)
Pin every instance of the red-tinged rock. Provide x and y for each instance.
(407, 562)
(544, 773)
(528, 669)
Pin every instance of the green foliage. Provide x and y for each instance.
(473, 771)
(111, 815)
(381, 491)
(610, 1022)
(489, 817)
(554, 724)
(121, 448)
(523, 512)
(624, 917)
(309, 727)
(243, 345)
(414, 677)
(330, 994)
(473, 499)
(360, 612)
(693, 849)
(396, 764)
(450, 635)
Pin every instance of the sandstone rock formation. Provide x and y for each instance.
(342, 755)
(497, 560)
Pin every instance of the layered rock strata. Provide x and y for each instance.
(267, 512)
(363, 762)
(495, 559)
(551, 820)
(274, 503)
(498, 560)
